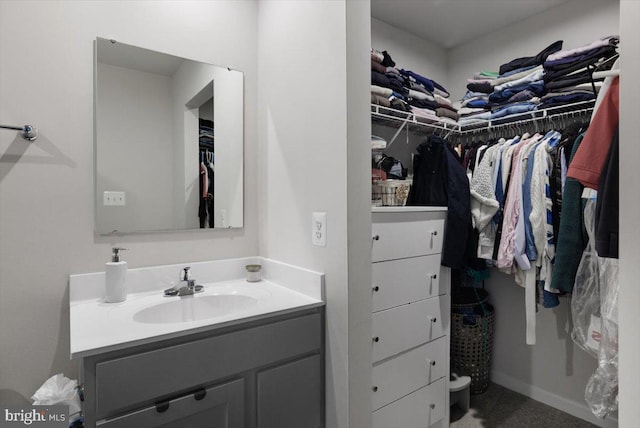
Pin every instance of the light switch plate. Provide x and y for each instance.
(319, 229)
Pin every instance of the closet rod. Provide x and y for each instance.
(606, 73)
(29, 132)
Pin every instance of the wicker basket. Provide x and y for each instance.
(472, 343)
(394, 192)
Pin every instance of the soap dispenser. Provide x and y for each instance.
(115, 278)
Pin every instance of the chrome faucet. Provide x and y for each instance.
(186, 286)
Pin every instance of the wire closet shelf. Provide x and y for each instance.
(556, 117)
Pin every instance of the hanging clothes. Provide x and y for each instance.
(607, 206)
(590, 159)
(440, 180)
(206, 186)
(572, 236)
(202, 196)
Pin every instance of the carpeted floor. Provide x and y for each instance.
(502, 408)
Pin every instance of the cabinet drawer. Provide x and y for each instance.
(400, 239)
(221, 406)
(397, 282)
(150, 376)
(420, 409)
(408, 372)
(398, 329)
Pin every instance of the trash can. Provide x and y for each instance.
(472, 321)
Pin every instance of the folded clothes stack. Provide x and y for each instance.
(406, 90)
(552, 78)
(568, 73)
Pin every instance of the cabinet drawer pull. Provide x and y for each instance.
(434, 320)
(376, 339)
(432, 406)
(162, 406)
(434, 233)
(375, 389)
(200, 394)
(376, 237)
(431, 362)
(376, 289)
(434, 276)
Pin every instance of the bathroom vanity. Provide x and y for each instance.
(258, 364)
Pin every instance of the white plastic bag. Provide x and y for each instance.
(59, 390)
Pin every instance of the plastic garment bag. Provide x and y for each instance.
(585, 299)
(594, 308)
(602, 389)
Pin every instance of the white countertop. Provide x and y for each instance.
(406, 209)
(98, 327)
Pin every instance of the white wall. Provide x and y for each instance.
(134, 130)
(307, 148)
(359, 212)
(46, 188)
(576, 22)
(411, 52)
(629, 297)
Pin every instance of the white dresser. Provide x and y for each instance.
(411, 305)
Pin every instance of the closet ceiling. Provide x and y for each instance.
(450, 23)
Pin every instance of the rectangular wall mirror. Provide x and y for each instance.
(168, 142)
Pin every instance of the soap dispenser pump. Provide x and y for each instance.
(115, 278)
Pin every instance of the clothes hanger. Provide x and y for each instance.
(210, 163)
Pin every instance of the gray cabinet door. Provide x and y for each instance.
(290, 395)
(221, 406)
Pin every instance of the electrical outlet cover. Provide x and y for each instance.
(319, 229)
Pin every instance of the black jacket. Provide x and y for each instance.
(440, 180)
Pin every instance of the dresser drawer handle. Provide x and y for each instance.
(375, 389)
(434, 320)
(376, 339)
(162, 406)
(200, 394)
(376, 289)
(434, 276)
(434, 233)
(376, 237)
(432, 406)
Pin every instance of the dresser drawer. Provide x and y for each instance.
(397, 282)
(220, 406)
(408, 372)
(420, 409)
(407, 237)
(399, 329)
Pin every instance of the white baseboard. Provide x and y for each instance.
(579, 410)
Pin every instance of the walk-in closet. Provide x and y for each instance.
(549, 68)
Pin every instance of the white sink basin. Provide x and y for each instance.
(194, 308)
